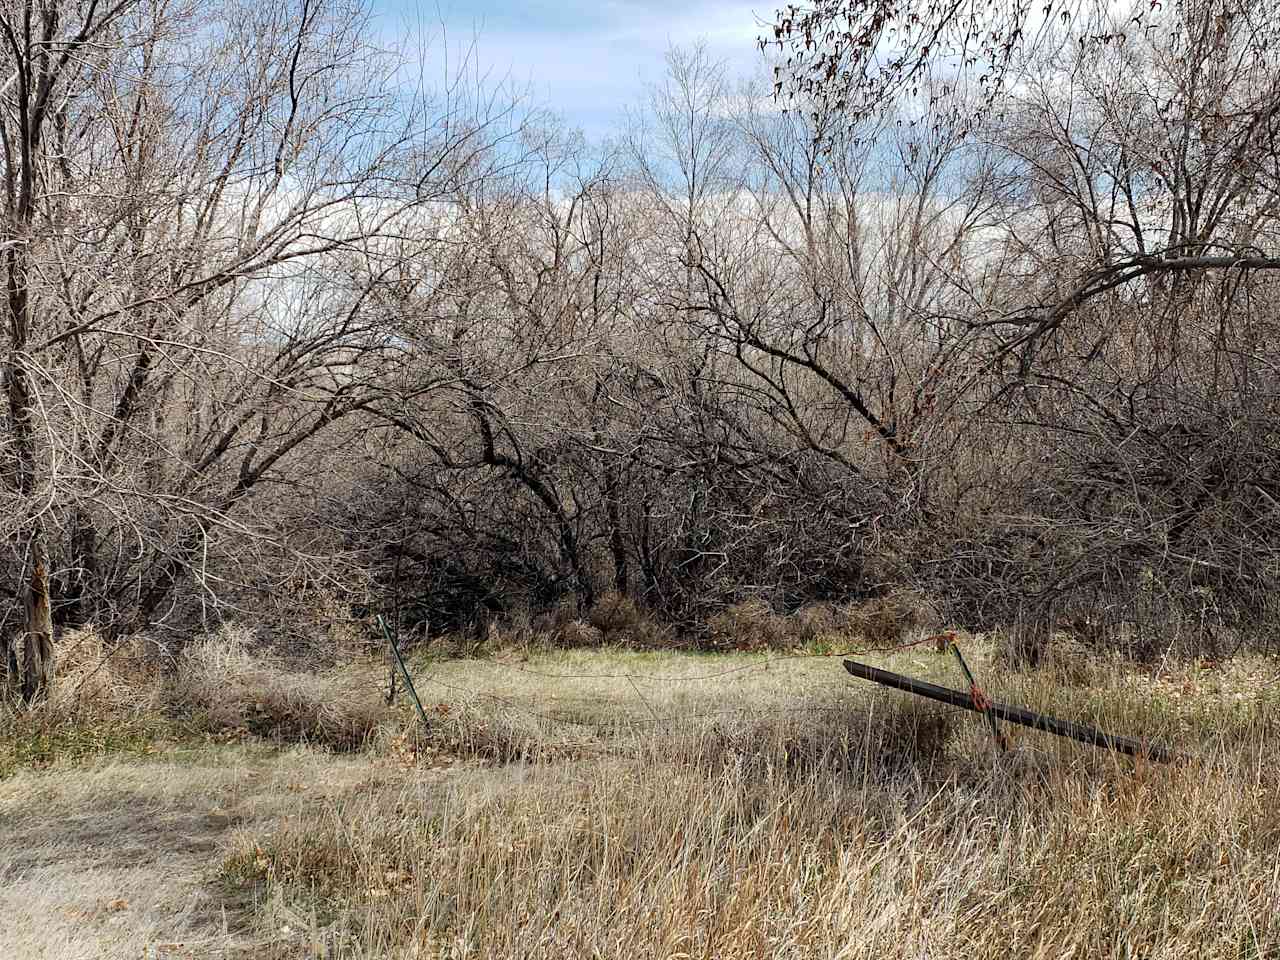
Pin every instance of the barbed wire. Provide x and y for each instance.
(516, 707)
(758, 666)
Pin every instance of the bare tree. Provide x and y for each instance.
(1140, 232)
(46, 55)
(196, 207)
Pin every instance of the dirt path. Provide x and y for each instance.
(118, 860)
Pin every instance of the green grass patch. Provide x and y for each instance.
(32, 743)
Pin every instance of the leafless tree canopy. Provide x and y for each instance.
(988, 311)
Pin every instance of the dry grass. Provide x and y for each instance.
(641, 858)
(235, 690)
(619, 803)
(836, 826)
(751, 625)
(108, 701)
(115, 859)
(127, 700)
(613, 620)
(880, 622)
(622, 621)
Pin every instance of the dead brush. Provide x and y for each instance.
(1061, 657)
(551, 626)
(490, 735)
(103, 681)
(886, 620)
(519, 628)
(882, 621)
(749, 625)
(817, 623)
(560, 627)
(235, 691)
(575, 635)
(513, 630)
(1074, 664)
(620, 620)
(499, 738)
(108, 699)
(614, 614)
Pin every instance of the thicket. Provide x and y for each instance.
(287, 344)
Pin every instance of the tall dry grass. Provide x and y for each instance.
(233, 688)
(837, 829)
(134, 698)
(630, 804)
(753, 625)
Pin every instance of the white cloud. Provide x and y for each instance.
(590, 62)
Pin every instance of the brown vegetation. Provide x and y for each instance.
(863, 828)
(728, 381)
(624, 441)
(623, 802)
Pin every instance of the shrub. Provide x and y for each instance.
(887, 619)
(621, 620)
(749, 625)
(235, 690)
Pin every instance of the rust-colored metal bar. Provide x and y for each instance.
(1026, 718)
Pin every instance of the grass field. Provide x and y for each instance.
(614, 803)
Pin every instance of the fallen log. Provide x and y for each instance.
(1027, 718)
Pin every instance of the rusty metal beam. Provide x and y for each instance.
(1018, 715)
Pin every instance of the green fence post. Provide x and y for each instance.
(408, 680)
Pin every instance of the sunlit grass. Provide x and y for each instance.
(793, 812)
(622, 803)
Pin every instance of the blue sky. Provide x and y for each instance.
(587, 60)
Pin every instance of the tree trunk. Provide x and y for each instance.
(32, 675)
(9, 682)
(648, 555)
(617, 540)
(37, 653)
